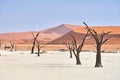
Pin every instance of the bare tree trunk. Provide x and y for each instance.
(98, 57)
(78, 62)
(32, 50)
(0, 45)
(12, 46)
(1, 41)
(5, 47)
(34, 41)
(70, 53)
(38, 51)
(15, 48)
(39, 46)
(69, 46)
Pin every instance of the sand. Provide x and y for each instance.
(56, 65)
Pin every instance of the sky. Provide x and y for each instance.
(35, 15)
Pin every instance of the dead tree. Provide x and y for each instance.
(1, 41)
(77, 49)
(34, 41)
(12, 44)
(69, 47)
(100, 40)
(15, 48)
(39, 46)
(7, 47)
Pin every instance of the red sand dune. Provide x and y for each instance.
(114, 40)
(45, 35)
(100, 29)
(61, 33)
(79, 31)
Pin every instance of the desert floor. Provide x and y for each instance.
(56, 65)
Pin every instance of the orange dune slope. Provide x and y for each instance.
(44, 35)
(61, 33)
(79, 31)
(99, 29)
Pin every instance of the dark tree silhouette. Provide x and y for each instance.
(15, 48)
(77, 49)
(39, 46)
(12, 44)
(100, 40)
(1, 41)
(69, 47)
(34, 41)
(7, 47)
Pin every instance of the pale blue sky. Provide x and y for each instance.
(28, 15)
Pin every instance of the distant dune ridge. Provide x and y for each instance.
(62, 33)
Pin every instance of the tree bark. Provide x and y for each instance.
(70, 54)
(78, 62)
(98, 57)
(0, 45)
(32, 51)
(12, 47)
(33, 46)
(38, 51)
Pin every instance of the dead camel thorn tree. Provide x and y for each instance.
(69, 47)
(34, 41)
(1, 41)
(12, 44)
(77, 49)
(39, 46)
(100, 40)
